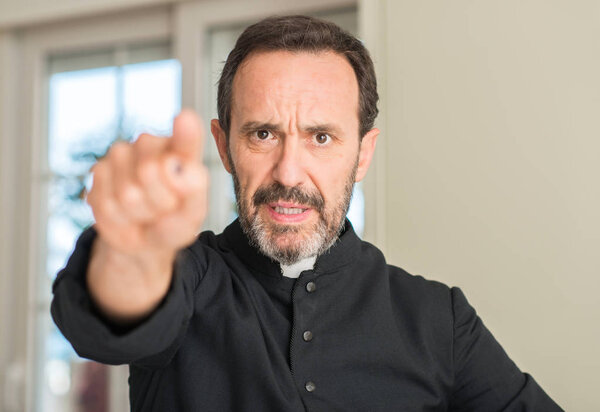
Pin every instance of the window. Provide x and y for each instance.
(93, 100)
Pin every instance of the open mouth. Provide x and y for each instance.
(288, 212)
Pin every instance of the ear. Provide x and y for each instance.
(221, 141)
(365, 155)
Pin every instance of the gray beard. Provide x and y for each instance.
(317, 243)
(317, 240)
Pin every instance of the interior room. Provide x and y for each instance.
(485, 174)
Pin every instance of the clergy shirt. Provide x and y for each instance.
(350, 334)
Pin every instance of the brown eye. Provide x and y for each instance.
(262, 134)
(322, 138)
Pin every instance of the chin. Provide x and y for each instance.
(287, 243)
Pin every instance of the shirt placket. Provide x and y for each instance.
(302, 359)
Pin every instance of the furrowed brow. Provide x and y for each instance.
(323, 128)
(253, 126)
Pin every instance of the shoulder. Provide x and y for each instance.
(421, 309)
(198, 259)
(403, 283)
(205, 245)
(428, 300)
(411, 293)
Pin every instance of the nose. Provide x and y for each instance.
(289, 169)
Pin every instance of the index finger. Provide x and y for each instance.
(188, 136)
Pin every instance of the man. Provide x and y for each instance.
(286, 310)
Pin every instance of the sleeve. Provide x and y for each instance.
(152, 342)
(486, 379)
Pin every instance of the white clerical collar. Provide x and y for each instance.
(294, 270)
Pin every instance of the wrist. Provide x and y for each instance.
(127, 287)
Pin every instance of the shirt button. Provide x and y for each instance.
(307, 336)
(310, 386)
(311, 287)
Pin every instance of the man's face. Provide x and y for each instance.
(294, 150)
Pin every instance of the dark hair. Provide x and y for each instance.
(301, 33)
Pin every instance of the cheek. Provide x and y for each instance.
(332, 187)
(251, 175)
(332, 175)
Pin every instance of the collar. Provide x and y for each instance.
(294, 270)
(343, 252)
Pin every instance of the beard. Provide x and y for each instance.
(284, 243)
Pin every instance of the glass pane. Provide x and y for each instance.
(151, 96)
(83, 117)
(88, 110)
(356, 211)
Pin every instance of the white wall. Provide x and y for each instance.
(491, 147)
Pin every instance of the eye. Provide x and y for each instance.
(322, 138)
(263, 134)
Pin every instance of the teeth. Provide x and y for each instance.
(288, 210)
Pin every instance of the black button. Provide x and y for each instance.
(310, 386)
(307, 336)
(311, 287)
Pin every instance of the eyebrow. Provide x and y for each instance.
(252, 126)
(324, 128)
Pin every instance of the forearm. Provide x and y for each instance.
(127, 288)
(95, 337)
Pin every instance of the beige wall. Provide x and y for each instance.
(491, 147)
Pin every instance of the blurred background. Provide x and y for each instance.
(485, 176)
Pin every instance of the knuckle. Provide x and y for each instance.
(166, 202)
(118, 150)
(101, 212)
(129, 195)
(147, 172)
(144, 139)
(99, 170)
(147, 144)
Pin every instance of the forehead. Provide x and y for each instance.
(311, 84)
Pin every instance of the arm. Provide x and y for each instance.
(97, 337)
(148, 199)
(486, 379)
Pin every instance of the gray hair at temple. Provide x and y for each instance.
(301, 34)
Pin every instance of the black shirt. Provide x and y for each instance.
(353, 334)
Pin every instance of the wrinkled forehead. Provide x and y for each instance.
(310, 83)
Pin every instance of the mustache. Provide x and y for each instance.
(276, 191)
